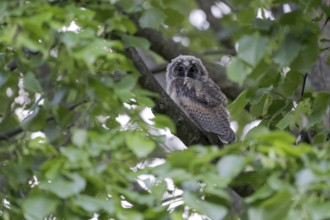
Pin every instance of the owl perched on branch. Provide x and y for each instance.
(188, 84)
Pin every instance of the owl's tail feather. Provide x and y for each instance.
(227, 137)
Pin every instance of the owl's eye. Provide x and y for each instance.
(179, 71)
(193, 72)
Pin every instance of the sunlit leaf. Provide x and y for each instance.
(212, 210)
(79, 137)
(252, 48)
(140, 145)
(230, 166)
(65, 187)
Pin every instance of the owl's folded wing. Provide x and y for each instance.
(211, 118)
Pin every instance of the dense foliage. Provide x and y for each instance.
(65, 81)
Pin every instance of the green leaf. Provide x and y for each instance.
(31, 83)
(291, 83)
(91, 204)
(237, 106)
(320, 211)
(163, 121)
(230, 166)
(263, 24)
(182, 159)
(251, 48)
(286, 121)
(9, 123)
(274, 208)
(35, 121)
(52, 167)
(64, 187)
(140, 144)
(75, 155)
(288, 50)
(152, 18)
(134, 41)
(246, 15)
(276, 136)
(79, 137)
(256, 131)
(320, 104)
(39, 206)
(307, 56)
(304, 178)
(125, 86)
(173, 16)
(237, 70)
(260, 108)
(212, 210)
(278, 205)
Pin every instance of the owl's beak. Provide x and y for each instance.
(186, 73)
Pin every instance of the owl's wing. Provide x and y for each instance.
(208, 108)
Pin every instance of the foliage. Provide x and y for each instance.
(73, 159)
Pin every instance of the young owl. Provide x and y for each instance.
(198, 96)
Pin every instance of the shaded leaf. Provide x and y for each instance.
(31, 83)
(252, 48)
(288, 50)
(152, 18)
(237, 70)
(134, 41)
(35, 121)
(140, 144)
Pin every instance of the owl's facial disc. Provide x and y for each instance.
(193, 72)
(186, 68)
(179, 70)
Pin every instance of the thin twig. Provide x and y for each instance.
(303, 85)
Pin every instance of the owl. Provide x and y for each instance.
(189, 86)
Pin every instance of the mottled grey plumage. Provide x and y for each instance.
(198, 96)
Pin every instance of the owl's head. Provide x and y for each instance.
(185, 66)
